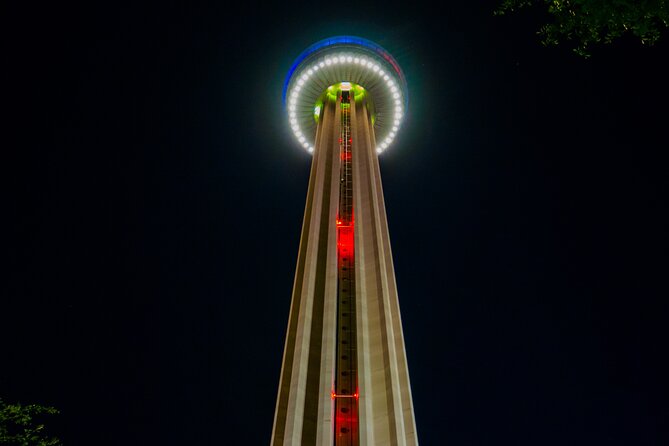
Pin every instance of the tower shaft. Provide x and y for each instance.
(344, 379)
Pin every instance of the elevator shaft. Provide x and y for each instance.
(345, 391)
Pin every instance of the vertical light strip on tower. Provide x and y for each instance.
(344, 379)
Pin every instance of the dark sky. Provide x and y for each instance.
(153, 196)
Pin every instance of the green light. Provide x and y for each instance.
(331, 93)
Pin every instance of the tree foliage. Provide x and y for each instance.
(19, 427)
(587, 22)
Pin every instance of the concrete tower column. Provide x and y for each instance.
(344, 379)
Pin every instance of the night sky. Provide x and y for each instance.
(153, 197)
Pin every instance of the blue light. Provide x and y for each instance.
(339, 40)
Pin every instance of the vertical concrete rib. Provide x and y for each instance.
(323, 435)
(297, 415)
(386, 407)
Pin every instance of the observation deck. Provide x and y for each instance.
(362, 63)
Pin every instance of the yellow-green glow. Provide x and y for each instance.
(331, 93)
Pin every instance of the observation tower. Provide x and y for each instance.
(344, 379)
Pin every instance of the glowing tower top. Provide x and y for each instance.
(324, 65)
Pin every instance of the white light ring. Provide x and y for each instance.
(394, 107)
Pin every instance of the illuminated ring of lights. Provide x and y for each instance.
(345, 59)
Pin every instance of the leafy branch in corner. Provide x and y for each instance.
(19, 427)
(585, 23)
